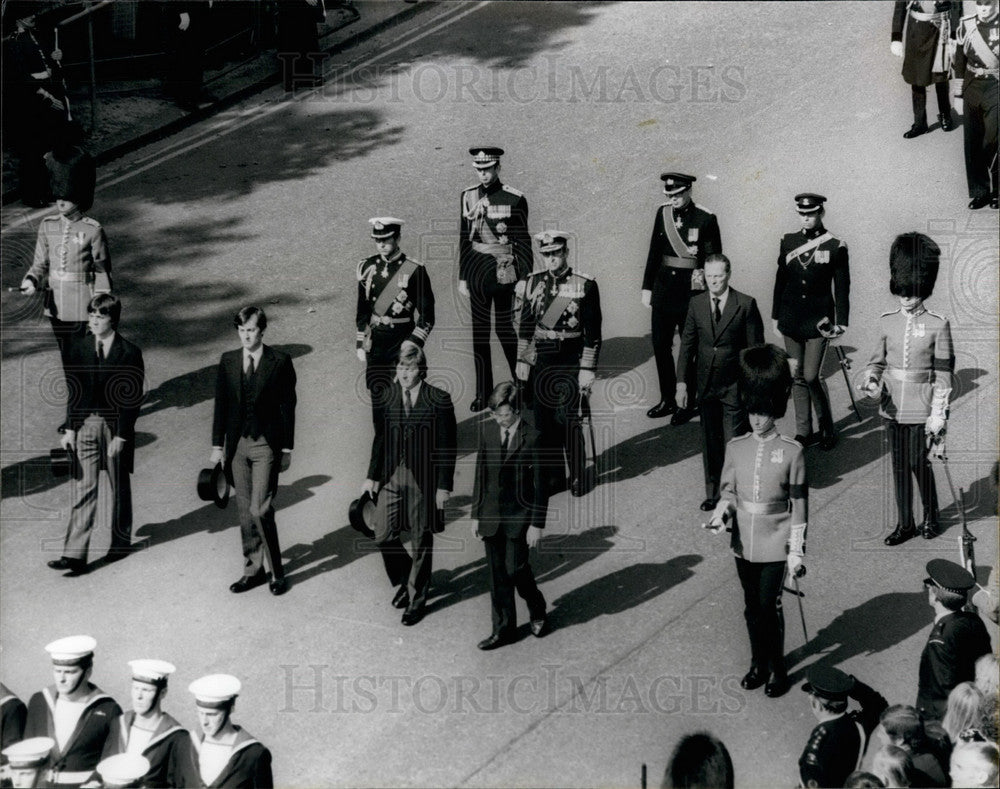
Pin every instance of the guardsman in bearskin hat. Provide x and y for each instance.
(840, 739)
(494, 253)
(911, 370)
(559, 337)
(395, 307)
(977, 65)
(764, 501)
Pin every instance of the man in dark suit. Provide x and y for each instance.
(413, 462)
(105, 377)
(508, 511)
(254, 430)
(185, 27)
(720, 323)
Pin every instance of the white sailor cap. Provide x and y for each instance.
(123, 769)
(551, 240)
(152, 672)
(385, 226)
(215, 691)
(71, 651)
(33, 752)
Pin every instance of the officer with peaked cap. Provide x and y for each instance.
(839, 741)
(559, 338)
(223, 754)
(911, 370)
(811, 307)
(27, 761)
(684, 234)
(146, 730)
(494, 252)
(956, 641)
(74, 711)
(395, 307)
(124, 770)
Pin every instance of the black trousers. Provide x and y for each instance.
(404, 506)
(721, 420)
(980, 96)
(381, 371)
(761, 582)
(919, 95)
(556, 392)
(491, 302)
(909, 461)
(666, 321)
(507, 559)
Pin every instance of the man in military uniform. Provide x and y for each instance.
(931, 26)
(956, 641)
(683, 235)
(146, 730)
(559, 337)
(494, 252)
(73, 711)
(977, 64)
(26, 762)
(838, 743)
(911, 370)
(807, 315)
(395, 307)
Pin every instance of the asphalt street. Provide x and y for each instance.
(267, 203)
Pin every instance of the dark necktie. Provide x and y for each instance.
(716, 312)
(250, 367)
(503, 444)
(100, 352)
(407, 402)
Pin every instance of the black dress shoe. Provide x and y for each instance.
(979, 202)
(994, 202)
(662, 408)
(74, 566)
(402, 598)
(494, 641)
(929, 529)
(412, 615)
(539, 627)
(479, 404)
(682, 416)
(753, 679)
(947, 124)
(777, 685)
(576, 487)
(828, 441)
(709, 504)
(900, 535)
(278, 587)
(247, 582)
(915, 131)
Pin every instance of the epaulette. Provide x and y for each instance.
(414, 261)
(512, 190)
(812, 750)
(702, 208)
(937, 315)
(743, 437)
(790, 440)
(53, 218)
(968, 18)
(90, 221)
(470, 188)
(360, 275)
(581, 274)
(891, 312)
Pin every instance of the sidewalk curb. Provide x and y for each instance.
(191, 118)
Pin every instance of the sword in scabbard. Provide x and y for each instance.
(845, 367)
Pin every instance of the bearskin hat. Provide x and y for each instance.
(913, 265)
(765, 379)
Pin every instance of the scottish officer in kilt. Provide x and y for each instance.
(930, 28)
(559, 337)
(395, 306)
(764, 500)
(811, 306)
(911, 370)
(684, 234)
(977, 64)
(494, 253)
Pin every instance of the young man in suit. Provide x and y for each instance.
(720, 323)
(106, 381)
(508, 511)
(254, 431)
(413, 463)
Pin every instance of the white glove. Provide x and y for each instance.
(647, 298)
(896, 48)
(185, 21)
(216, 456)
(522, 370)
(870, 388)
(934, 425)
(28, 287)
(369, 486)
(362, 356)
(794, 562)
(68, 440)
(585, 378)
(463, 288)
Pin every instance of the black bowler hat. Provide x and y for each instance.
(361, 514)
(213, 485)
(809, 203)
(949, 576)
(675, 183)
(831, 684)
(61, 462)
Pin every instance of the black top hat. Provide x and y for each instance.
(361, 514)
(213, 485)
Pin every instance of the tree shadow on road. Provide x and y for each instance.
(640, 454)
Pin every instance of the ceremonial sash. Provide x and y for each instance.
(983, 51)
(807, 246)
(942, 53)
(388, 295)
(555, 309)
(674, 237)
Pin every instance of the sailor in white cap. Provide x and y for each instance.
(146, 730)
(74, 711)
(123, 770)
(223, 754)
(395, 308)
(27, 761)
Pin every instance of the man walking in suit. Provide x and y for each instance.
(254, 430)
(508, 511)
(720, 323)
(105, 376)
(413, 462)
